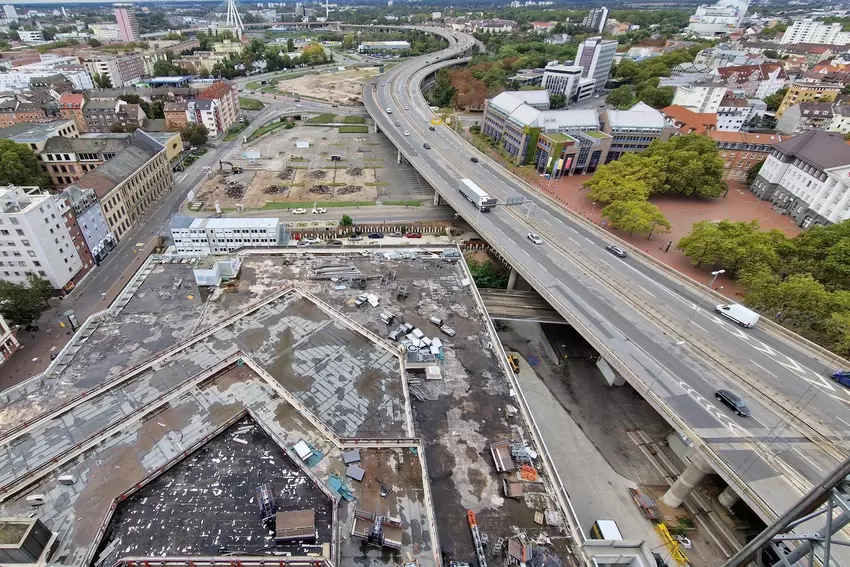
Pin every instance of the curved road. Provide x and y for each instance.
(660, 327)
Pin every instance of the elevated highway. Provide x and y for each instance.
(518, 306)
(656, 328)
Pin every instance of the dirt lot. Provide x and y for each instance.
(339, 86)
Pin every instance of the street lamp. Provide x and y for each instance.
(715, 274)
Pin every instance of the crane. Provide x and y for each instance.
(476, 538)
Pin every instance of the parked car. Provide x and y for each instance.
(319, 211)
(355, 238)
(334, 243)
(303, 243)
(426, 145)
(616, 251)
(473, 159)
(395, 235)
(535, 238)
(735, 403)
(374, 235)
(299, 211)
(311, 240)
(407, 108)
(413, 235)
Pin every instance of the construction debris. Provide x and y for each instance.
(355, 171)
(287, 173)
(274, 190)
(349, 189)
(529, 473)
(321, 190)
(317, 174)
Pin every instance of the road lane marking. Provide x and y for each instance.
(647, 291)
(842, 421)
(811, 462)
(606, 263)
(574, 240)
(695, 324)
(763, 368)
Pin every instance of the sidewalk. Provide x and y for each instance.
(682, 212)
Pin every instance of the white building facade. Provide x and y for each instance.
(719, 19)
(808, 30)
(700, 97)
(595, 56)
(218, 236)
(34, 238)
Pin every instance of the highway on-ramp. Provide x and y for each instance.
(659, 328)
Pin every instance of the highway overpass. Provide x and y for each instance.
(655, 327)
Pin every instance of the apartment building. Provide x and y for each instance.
(807, 177)
(14, 111)
(35, 135)
(216, 236)
(68, 159)
(808, 30)
(700, 97)
(840, 121)
(800, 91)
(98, 238)
(757, 81)
(63, 205)
(8, 341)
(128, 25)
(595, 56)
(31, 36)
(176, 115)
(686, 121)
(805, 116)
(102, 115)
(225, 110)
(106, 32)
(128, 184)
(733, 114)
(125, 70)
(71, 108)
(596, 19)
(34, 239)
(742, 150)
(634, 129)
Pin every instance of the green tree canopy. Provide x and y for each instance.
(641, 217)
(102, 81)
(773, 101)
(345, 220)
(630, 178)
(690, 165)
(733, 246)
(753, 172)
(20, 166)
(621, 97)
(19, 304)
(195, 134)
(824, 252)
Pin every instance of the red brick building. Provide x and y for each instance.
(742, 150)
(71, 108)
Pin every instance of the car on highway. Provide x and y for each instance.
(374, 235)
(616, 251)
(535, 238)
(426, 145)
(299, 211)
(413, 235)
(406, 133)
(397, 123)
(473, 159)
(319, 211)
(299, 106)
(407, 108)
(734, 402)
(432, 128)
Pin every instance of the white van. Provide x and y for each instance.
(738, 313)
(389, 111)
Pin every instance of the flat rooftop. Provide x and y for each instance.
(161, 381)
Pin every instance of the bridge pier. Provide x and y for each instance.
(728, 497)
(399, 159)
(690, 477)
(437, 199)
(512, 279)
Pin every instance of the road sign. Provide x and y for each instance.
(514, 200)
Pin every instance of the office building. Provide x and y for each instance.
(35, 239)
(10, 13)
(595, 56)
(216, 236)
(700, 97)
(596, 19)
(634, 129)
(806, 177)
(31, 36)
(128, 25)
(130, 183)
(528, 78)
(568, 81)
(808, 30)
(719, 19)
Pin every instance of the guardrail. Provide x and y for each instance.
(732, 478)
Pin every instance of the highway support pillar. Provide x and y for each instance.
(437, 199)
(398, 157)
(690, 477)
(512, 279)
(728, 497)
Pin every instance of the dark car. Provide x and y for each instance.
(616, 251)
(426, 145)
(334, 243)
(432, 128)
(735, 403)
(473, 159)
(413, 235)
(375, 235)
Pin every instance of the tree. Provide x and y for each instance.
(657, 97)
(621, 97)
(837, 328)
(157, 110)
(19, 165)
(19, 304)
(753, 172)
(773, 101)
(690, 165)
(640, 217)
(93, 42)
(165, 68)
(345, 220)
(41, 287)
(195, 134)
(443, 90)
(557, 101)
(771, 53)
(631, 178)
(824, 252)
(102, 81)
(349, 40)
(290, 45)
(733, 246)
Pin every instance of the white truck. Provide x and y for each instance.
(738, 313)
(476, 195)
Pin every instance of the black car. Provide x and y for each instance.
(375, 235)
(616, 251)
(735, 403)
(426, 145)
(473, 159)
(432, 128)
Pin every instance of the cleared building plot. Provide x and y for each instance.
(337, 86)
